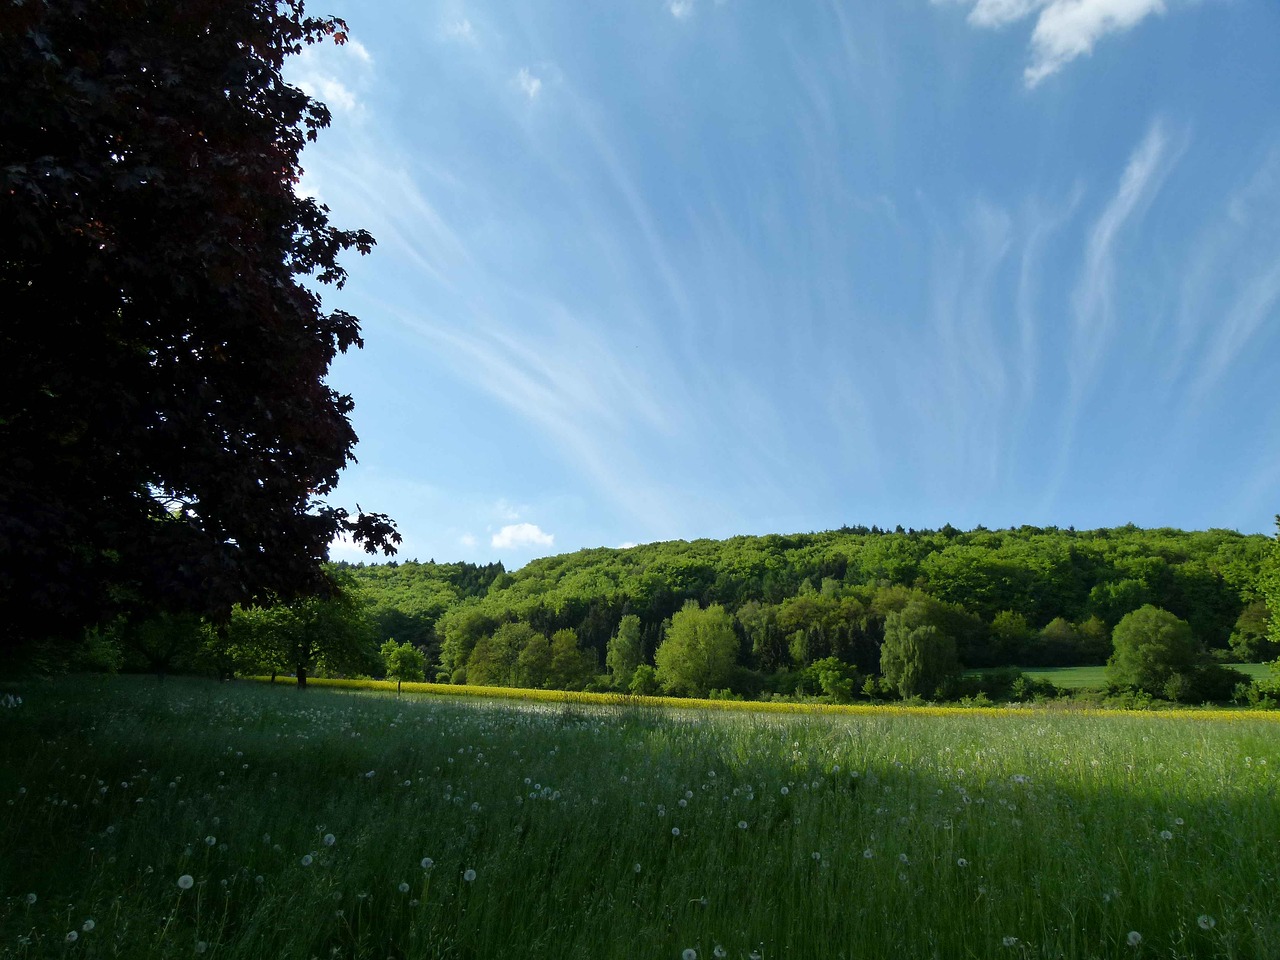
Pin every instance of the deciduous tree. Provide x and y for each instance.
(168, 432)
(699, 651)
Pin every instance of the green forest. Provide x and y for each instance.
(845, 614)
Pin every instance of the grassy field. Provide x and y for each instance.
(346, 824)
(1093, 678)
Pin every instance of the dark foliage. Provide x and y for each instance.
(166, 428)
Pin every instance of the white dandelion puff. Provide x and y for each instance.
(689, 954)
(427, 863)
(469, 875)
(1206, 922)
(88, 925)
(330, 839)
(1134, 938)
(403, 887)
(31, 898)
(186, 882)
(72, 936)
(306, 860)
(742, 824)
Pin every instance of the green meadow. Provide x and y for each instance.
(1094, 678)
(146, 819)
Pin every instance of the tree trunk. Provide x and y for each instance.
(302, 676)
(398, 682)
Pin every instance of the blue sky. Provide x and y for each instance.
(667, 269)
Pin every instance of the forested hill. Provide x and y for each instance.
(1025, 595)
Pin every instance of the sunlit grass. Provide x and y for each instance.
(334, 823)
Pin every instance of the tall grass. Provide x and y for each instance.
(602, 831)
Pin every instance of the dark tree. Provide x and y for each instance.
(166, 430)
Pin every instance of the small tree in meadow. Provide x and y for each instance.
(625, 651)
(699, 651)
(1152, 649)
(916, 658)
(403, 662)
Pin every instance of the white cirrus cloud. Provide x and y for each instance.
(1064, 29)
(681, 9)
(460, 31)
(516, 535)
(468, 540)
(530, 85)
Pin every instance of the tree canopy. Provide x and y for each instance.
(168, 432)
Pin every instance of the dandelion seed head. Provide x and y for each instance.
(742, 824)
(306, 860)
(675, 831)
(31, 898)
(330, 839)
(689, 954)
(403, 887)
(1166, 835)
(201, 946)
(962, 862)
(1134, 938)
(427, 863)
(867, 854)
(88, 925)
(1009, 942)
(469, 875)
(1206, 922)
(72, 936)
(186, 882)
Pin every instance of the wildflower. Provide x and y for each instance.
(469, 875)
(72, 936)
(742, 824)
(1134, 938)
(31, 898)
(185, 882)
(1178, 821)
(867, 854)
(785, 791)
(330, 839)
(1206, 922)
(88, 925)
(306, 860)
(1166, 835)
(427, 863)
(689, 954)
(403, 887)
(962, 862)
(675, 831)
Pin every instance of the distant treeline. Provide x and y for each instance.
(1025, 596)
